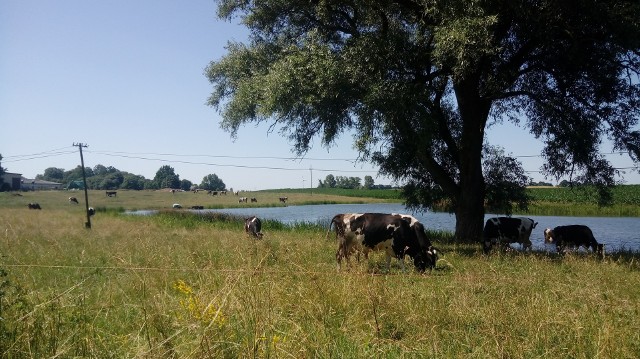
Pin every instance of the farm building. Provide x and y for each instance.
(39, 185)
(11, 181)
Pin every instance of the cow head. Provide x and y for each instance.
(425, 259)
(548, 235)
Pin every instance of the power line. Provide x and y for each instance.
(33, 156)
(233, 165)
(227, 156)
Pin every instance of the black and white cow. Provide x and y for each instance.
(34, 206)
(253, 227)
(574, 236)
(73, 200)
(366, 232)
(507, 230)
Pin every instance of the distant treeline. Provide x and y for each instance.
(622, 194)
(109, 178)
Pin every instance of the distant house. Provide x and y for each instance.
(38, 185)
(12, 180)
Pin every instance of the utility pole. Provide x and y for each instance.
(84, 180)
(311, 184)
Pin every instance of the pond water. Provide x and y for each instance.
(615, 232)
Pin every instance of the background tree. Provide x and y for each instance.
(330, 181)
(134, 182)
(211, 182)
(185, 185)
(347, 182)
(76, 174)
(368, 182)
(166, 178)
(421, 81)
(52, 174)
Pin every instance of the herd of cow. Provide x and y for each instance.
(399, 235)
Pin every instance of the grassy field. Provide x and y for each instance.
(181, 286)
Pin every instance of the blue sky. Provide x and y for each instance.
(126, 78)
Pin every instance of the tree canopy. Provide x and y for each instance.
(420, 82)
(212, 182)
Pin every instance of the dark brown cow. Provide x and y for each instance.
(366, 232)
(73, 200)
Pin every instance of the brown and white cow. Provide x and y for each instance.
(73, 200)
(574, 236)
(253, 227)
(366, 232)
(507, 230)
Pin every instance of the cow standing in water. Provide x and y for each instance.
(253, 227)
(365, 232)
(573, 236)
(507, 230)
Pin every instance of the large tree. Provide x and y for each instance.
(166, 177)
(212, 182)
(420, 82)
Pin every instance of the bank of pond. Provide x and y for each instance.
(616, 233)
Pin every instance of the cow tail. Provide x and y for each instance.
(329, 230)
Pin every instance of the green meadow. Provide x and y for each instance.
(176, 285)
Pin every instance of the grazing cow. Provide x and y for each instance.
(365, 232)
(254, 200)
(242, 199)
(73, 200)
(253, 227)
(573, 236)
(111, 193)
(419, 229)
(177, 205)
(506, 230)
(283, 199)
(91, 211)
(34, 206)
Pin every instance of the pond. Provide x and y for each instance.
(615, 232)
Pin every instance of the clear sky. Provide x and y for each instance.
(127, 79)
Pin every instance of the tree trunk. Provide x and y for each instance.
(474, 112)
(470, 215)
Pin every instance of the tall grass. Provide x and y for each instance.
(180, 285)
